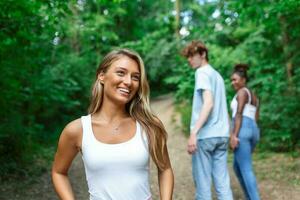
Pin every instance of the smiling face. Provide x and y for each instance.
(121, 81)
(237, 81)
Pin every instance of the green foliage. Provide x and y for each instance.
(264, 35)
(49, 51)
(185, 109)
(49, 54)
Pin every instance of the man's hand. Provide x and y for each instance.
(192, 143)
(208, 104)
(234, 142)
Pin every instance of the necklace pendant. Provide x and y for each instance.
(115, 130)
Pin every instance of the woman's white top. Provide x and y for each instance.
(116, 171)
(249, 109)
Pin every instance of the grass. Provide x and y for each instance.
(280, 168)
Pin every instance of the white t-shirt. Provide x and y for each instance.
(217, 124)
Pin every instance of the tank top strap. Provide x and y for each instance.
(86, 125)
(249, 95)
(142, 135)
(235, 96)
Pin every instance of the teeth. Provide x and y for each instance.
(124, 90)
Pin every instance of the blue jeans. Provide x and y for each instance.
(210, 161)
(242, 164)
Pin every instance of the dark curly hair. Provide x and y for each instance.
(241, 70)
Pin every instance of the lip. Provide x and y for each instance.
(124, 91)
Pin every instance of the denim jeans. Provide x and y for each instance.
(210, 161)
(242, 164)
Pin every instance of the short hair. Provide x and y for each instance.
(195, 47)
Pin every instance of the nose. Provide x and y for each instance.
(127, 80)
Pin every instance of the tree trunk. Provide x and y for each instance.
(75, 35)
(287, 53)
(177, 18)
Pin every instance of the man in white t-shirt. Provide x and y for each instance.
(209, 129)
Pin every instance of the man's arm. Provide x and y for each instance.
(208, 104)
(207, 107)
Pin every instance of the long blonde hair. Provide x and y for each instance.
(138, 107)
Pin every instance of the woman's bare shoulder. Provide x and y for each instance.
(73, 129)
(242, 93)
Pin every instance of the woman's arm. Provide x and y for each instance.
(242, 99)
(166, 179)
(66, 152)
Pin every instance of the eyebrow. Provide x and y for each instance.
(123, 68)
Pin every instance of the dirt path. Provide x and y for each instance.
(271, 188)
(180, 160)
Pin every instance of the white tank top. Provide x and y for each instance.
(249, 109)
(116, 171)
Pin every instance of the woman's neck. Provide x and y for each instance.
(111, 111)
(244, 86)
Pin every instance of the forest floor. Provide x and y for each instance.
(278, 175)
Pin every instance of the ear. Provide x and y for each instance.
(244, 81)
(101, 77)
(203, 55)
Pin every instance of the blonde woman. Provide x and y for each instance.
(117, 137)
